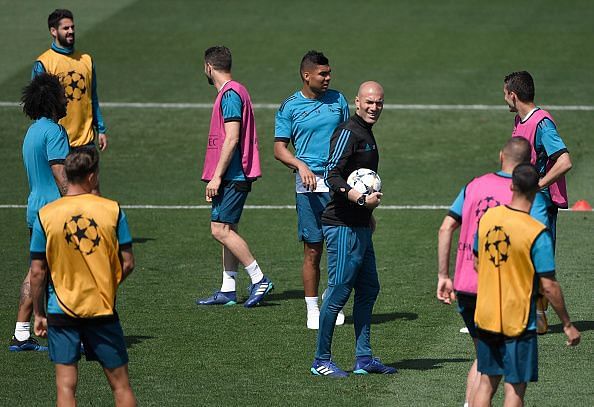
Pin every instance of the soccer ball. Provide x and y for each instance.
(365, 181)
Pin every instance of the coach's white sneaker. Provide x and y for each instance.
(313, 319)
(340, 316)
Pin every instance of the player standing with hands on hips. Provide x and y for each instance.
(348, 224)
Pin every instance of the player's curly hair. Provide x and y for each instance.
(53, 21)
(80, 163)
(522, 84)
(44, 96)
(219, 57)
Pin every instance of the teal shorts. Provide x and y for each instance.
(515, 359)
(227, 206)
(103, 342)
(466, 305)
(310, 207)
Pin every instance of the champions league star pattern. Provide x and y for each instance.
(81, 234)
(484, 205)
(497, 245)
(74, 84)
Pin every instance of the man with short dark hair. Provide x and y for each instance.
(307, 119)
(77, 73)
(549, 155)
(478, 196)
(81, 251)
(514, 252)
(45, 148)
(231, 164)
(348, 226)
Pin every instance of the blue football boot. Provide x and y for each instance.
(30, 344)
(219, 298)
(369, 364)
(326, 368)
(258, 291)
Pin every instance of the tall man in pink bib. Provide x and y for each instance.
(479, 195)
(231, 164)
(549, 156)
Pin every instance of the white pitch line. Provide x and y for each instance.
(262, 207)
(274, 106)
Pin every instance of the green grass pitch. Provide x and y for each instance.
(423, 52)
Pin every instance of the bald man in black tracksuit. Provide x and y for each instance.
(347, 225)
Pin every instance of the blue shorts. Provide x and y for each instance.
(309, 207)
(103, 342)
(515, 359)
(466, 306)
(227, 206)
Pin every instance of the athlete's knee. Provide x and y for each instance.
(313, 252)
(220, 231)
(337, 296)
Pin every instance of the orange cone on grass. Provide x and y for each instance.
(581, 205)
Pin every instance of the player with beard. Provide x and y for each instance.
(231, 164)
(77, 72)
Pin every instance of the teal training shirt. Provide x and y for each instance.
(45, 143)
(309, 123)
(232, 108)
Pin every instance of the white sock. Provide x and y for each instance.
(312, 304)
(22, 331)
(228, 281)
(254, 272)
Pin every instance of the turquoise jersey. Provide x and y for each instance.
(39, 242)
(45, 143)
(232, 108)
(309, 123)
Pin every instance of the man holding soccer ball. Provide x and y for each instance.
(348, 224)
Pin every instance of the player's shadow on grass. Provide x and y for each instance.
(582, 326)
(383, 318)
(285, 295)
(140, 240)
(426, 364)
(135, 340)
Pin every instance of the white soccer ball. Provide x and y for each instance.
(365, 181)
